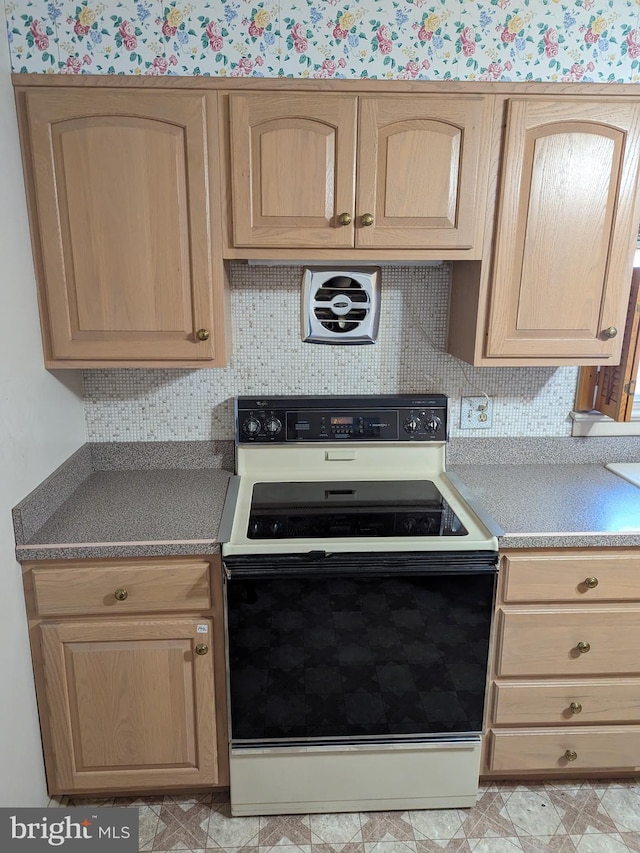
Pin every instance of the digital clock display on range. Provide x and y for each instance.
(341, 420)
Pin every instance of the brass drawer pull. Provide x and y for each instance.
(121, 595)
(366, 219)
(583, 648)
(571, 755)
(202, 334)
(575, 707)
(592, 583)
(202, 649)
(344, 219)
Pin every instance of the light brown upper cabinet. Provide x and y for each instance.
(567, 217)
(123, 192)
(341, 171)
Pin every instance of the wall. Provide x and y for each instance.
(433, 39)
(41, 423)
(270, 357)
(586, 40)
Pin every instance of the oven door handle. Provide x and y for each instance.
(317, 564)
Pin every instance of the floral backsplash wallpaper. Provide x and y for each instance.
(513, 40)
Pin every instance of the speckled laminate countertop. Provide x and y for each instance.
(555, 505)
(166, 498)
(92, 508)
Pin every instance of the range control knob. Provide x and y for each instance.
(408, 525)
(255, 529)
(411, 424)
(272, 425)
(432, 424)
(426, 526)
(252, 426)
(276, 528)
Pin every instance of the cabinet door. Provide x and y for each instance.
(122, 191)
(565, 230)
(422, 171)
(292, 169)
(131, 705)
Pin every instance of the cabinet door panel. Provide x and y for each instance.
(121, 183)
(565, 229)
(131, 705)
(293, 169)
(422, 171)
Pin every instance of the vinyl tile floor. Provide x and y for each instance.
(560, 817)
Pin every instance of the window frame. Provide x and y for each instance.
(610, 390)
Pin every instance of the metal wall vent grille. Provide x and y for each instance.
(340, 306)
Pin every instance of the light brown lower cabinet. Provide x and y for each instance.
(132, 699)
(564, 691)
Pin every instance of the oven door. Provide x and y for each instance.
(382, 648)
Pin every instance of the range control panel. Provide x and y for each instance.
(405, 417)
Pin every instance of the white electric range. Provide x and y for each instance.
(359, 585)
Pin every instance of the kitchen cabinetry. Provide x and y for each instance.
(129, 666)
(138, 191)
(565, 684)
(558, 286)
(337, 171)
(123, 189)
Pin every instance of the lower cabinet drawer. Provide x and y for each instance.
(577, 702)
(83, 589)
(565, 750)
(577, 577)
(557, 641)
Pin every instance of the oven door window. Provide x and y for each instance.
(335, 658)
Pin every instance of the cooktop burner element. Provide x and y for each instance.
(299, 510)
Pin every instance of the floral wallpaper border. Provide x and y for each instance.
(512, 40)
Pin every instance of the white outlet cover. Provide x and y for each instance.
(475, 413)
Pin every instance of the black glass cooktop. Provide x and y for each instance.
(341, 509)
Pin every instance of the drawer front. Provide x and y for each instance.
(121, 588)
(582, 578)
(552, 749)
(546, 642)
(569, 702)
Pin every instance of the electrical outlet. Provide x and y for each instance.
(475, 413)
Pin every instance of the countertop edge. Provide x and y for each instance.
(116, 550)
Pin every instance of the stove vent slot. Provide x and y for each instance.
(340, 306)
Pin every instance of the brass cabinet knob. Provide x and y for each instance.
(571, 755)
(121, 594)
(202, 649)
(611, 332)
(366, 219)
(592, 583)
(575, 707)
(202, 334)
(583, 648)
(345, 219)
